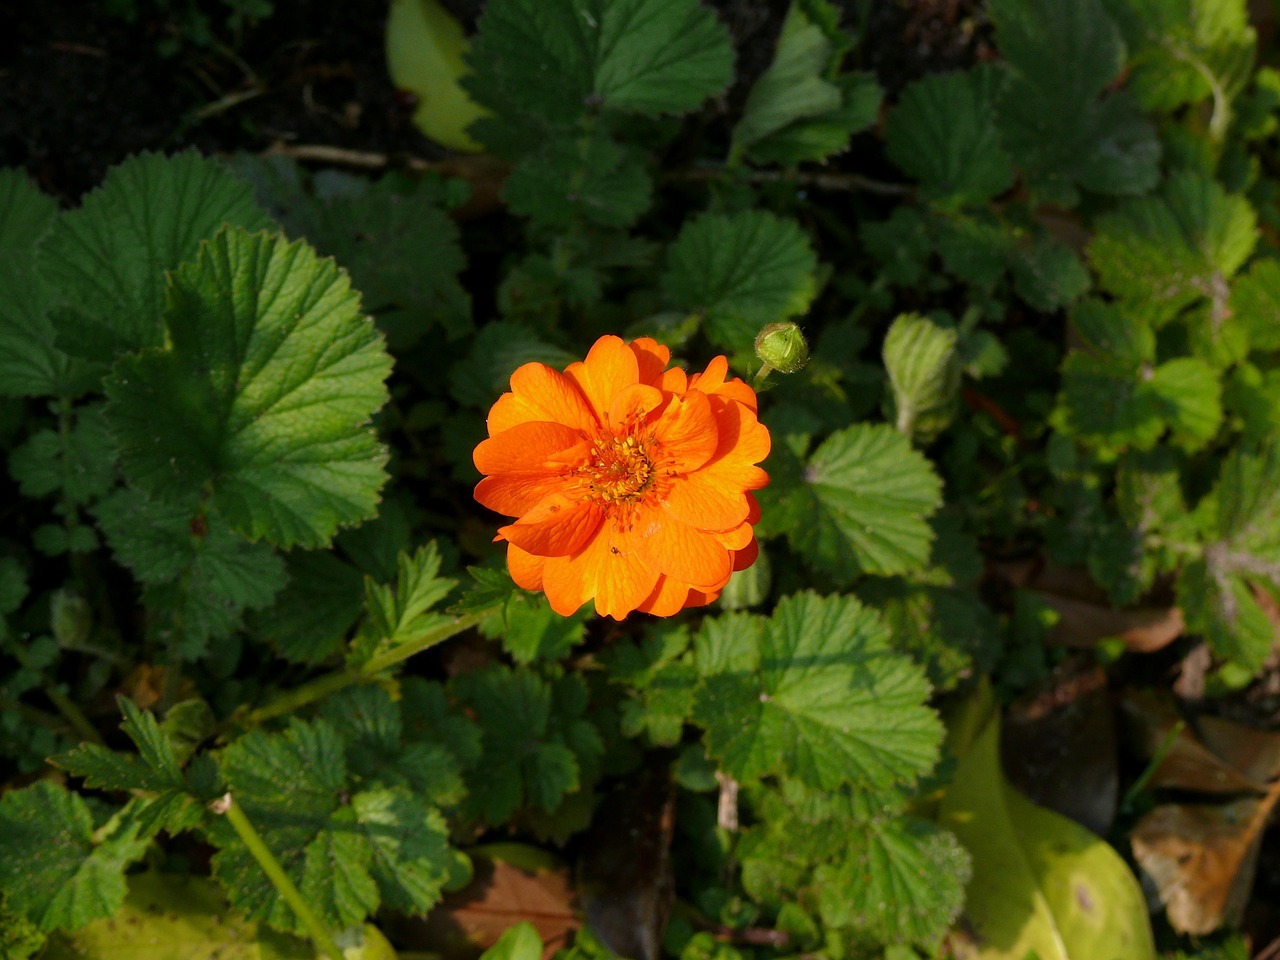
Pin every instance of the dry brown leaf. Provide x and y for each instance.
(1202, 858)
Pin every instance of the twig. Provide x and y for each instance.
(835, 182)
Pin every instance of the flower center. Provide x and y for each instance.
(618, 469)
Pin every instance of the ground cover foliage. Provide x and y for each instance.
(269, 689)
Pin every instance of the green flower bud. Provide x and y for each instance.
(783, 347)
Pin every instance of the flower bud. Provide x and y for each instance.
(783, 347)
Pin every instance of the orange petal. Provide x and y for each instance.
(556, 527)
(747, 555)
(526, 569)
(674, 380)
(610, 365)
(668, 598)
(736, 539)
(516, 495)
(652, 358)
(531, 449)
(713, 381)
(699, 501)
(686, 433)
(633, 403)
(680, 551)
(608, 568)
(539, 393)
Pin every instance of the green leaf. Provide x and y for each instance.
(943, 134)
(53, 869)
(1191, 394)
(1048, 274)
(496, 352)
(309, 619)
(108, 260)
(859, 505)
(26, 213)
(902, 881)
(661, 681)
(924, 373)
(643, 56)
(740, 271)
(1041, 882)
(818, 137)
(828, 703)
(79, 462)
(410, 844)
(530, 630)
(1165, 253)
(1255, 304)
(401, 615)
(201, 576)
(521, 761)
(1053, 119)
(796, 86)
(30, 364)
(263, 394)
(1185, 51)
(593, 178)
(1220, 606)
(518, 942)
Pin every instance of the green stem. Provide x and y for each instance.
(1157, 758)
(330, 683)
(279, 879)
(74, 715)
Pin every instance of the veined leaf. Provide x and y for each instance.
(52, 868)
(1255, 304)
(828, 703)
(942, 132)
(26, 213)
(263, 395)
(859, 505)
(108, 260)
(741, 271)
(595, 178)
(400, 615)
(1053, 117)
(924, 371)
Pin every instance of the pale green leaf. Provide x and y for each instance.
(860, 504)
(1191, 394)
(740, 271)
(263, 393)
(1040, 882)
(52, 868)
(108, 259)
(829, 703)
(518, 942)
(943, 134)
(924, 374)
(1165, 253)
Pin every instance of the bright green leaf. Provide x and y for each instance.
(519, 942)
(828, 704)
(1191, 393)
(410, 847)
(741, 271)
(108, 259)
(1255, 304)
(264, 393)
(924, 373)
(406, 613)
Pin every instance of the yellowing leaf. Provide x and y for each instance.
(1040, 882)
(425, 49)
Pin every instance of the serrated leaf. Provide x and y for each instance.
(1048, 274)
(309, 619)
(902, 881)
(860, 504)
(1165, 253)
(410, 847)
(106, 769)
(26, 213)
(593, 178)
(153, 746)
(740, 271)
(924, 374)
(289, 786)
(530, 630)
(942, 133)
(263, 395)
(80, 461)
(1255, 304)
(829, 703)
(1052, 118)
(1186, 51)
(498, 349)
(30, 363)
(1191, 394)
(644, 56)
(398, 616)
(108, 260)
(1220, 606)
(1108, 404)
(198, 572)
(521, 764)
(52, 868)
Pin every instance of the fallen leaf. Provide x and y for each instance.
(1202, 858)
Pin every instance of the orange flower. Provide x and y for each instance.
(628, 480)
